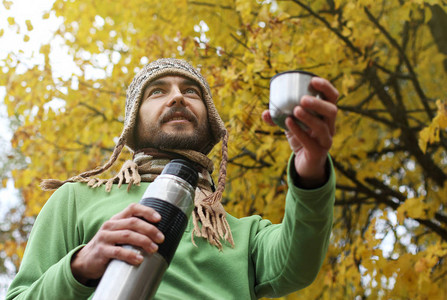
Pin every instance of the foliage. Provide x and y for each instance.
(390, 231)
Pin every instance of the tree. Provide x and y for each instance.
(390, 232)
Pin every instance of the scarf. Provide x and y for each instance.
(209, 217)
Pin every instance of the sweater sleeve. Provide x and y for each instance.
(45, 271)
(288, 256)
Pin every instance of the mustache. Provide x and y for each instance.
(175, 112)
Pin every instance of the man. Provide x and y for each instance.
(170, 113)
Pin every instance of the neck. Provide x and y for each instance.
(151, 162)
(200, 159)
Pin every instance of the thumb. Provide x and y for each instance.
(267, 117)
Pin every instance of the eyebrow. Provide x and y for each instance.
(160, 82)
(185, 81)
(188, 81)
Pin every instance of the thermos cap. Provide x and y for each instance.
(183, 169)
(293, 71)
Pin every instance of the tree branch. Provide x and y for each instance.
(402, 54)
(382, 194)
(334, 30)
(246, 152)
(198, 3)
(369, 114)
(436, 228)
(96, 111)
(408, 136)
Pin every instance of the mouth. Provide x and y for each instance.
(177, 117)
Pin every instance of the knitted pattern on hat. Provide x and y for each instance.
(160, 68)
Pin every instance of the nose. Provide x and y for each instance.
(176, 98)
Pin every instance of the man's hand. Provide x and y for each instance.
(125, 228)
(311, 146)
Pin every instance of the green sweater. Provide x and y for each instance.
(267, 260)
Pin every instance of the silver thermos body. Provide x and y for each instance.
(172, 196)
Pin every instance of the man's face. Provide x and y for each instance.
(173, 115)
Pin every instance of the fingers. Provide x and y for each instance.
(127, 254)
(133, 226)
(131, 231)
(139, 210)
(102, 252)
(319, 116)
(327, 109)
(110, 240)
(327, 112)
(326, 88)
(309, 140)
(317, 128)
(267, 117)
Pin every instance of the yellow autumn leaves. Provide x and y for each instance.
(431, 133)
(387, 70)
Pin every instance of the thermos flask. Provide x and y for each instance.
(172, 196)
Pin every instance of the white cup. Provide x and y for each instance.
(286, 90)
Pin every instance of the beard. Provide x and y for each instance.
(197, 140)
(153, 136)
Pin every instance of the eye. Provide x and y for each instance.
(156, 91)
(193, 91)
